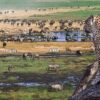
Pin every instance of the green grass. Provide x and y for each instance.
(31, 4)
(38, 67)
(67, 64)
(19, 4)
(36, 94)
(74, 15)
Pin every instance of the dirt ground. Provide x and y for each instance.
(45, 47)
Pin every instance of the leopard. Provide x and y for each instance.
(91, 25)
(90, 22)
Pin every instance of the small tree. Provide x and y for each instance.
(4, 44)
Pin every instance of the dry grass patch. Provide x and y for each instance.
(44, 47)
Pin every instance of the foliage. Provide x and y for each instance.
(36, 94)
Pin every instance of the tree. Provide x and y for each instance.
(4, 44)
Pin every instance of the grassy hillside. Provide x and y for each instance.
(19, 4)
(74, 15)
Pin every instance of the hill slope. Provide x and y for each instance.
(24, 4)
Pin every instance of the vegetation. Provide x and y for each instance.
(45, 46)
(31, 4)
(19, 4)
(67, 65)
(74, 15)
(36, 94)
(39, 66)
